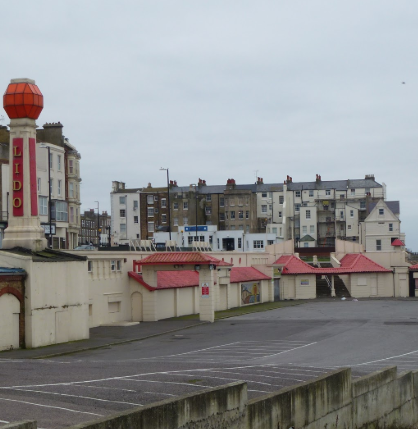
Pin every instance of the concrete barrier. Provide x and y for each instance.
(382, 399)
(219, 408)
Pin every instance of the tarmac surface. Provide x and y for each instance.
(128, 366)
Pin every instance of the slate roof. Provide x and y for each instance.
(393, 206)
(181, 258)
(247, 274)
(350, 264)
(339, 185)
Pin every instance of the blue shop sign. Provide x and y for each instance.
(193, 228)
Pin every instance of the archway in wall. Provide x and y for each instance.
(9, 322)
(136, 306)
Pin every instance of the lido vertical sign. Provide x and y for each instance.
(17, 197)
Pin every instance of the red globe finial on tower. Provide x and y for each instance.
(23, 99)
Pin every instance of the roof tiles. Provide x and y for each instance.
(181, 258)
(350, 264)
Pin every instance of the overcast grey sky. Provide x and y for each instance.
(218, 89)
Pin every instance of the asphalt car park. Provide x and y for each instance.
(268, 350)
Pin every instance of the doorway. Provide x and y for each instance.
(136, 307)
(228, 244)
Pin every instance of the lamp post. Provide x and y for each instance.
(195, 196)
(98, 224)
(44, 146)
(168, 200)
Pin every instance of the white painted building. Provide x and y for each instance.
(381, 228)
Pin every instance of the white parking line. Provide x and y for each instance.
(77, 396)
(49, 406)
(164, 382)
(290, 350)
(385, 359)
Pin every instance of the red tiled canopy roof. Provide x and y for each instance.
(182, 258)
(398, 242)
(413, 267)
(247, 274)
(169, 279)
(351, 263)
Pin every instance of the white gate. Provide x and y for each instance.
(9, 322)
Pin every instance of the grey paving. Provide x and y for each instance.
(268, 350)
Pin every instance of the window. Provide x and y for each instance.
(240, 214)
(241, 227)
(163, 203)
(312, 229)
(311, 193)
(70, 166)
(90, 266)
(304, 229)
(351, 213)
(232, 227)
(239, 243)
(308, 214)
(43, 205)
(232, 215)
(71, 189)
(155, 197)
(118, 265)
(222, 216)
(136, 204)
(362, 204)
(391, 227)
(270, 207)
(232, 202)
(297, 207)
(112, 266)
(381, 212)
(122, 228)
(264, 195)
(240, 201)
(71, 214)
(247, 214)
(59, 162)
(341, 214)
(208, 197)
(59, 187)
(221, 202)
(185, 220)
(135, 219)
(274, 230)
(175, 206)
(264, 208)
(208, 210)
(367, 190)
(150, 199)
(281, 199)
(51, 157)
(327, 192)
(348, 227)
(61, 211)
(247, 230)
(150, 226)
(150, 211)
(297, 194)
(378, 244)
(258, 244)
(51, 186)
(122, 200)
(280, 214)
(176, 221)
(163, 218)
(39, 184)
(226, 201)
(122, 213)
(185, 205)
(353, 192)
(305, 244)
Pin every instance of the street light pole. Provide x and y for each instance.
(98, 224)
(168, 200)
